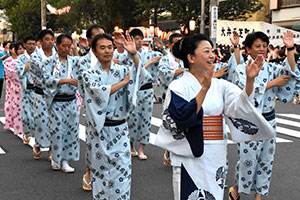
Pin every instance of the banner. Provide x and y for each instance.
(274, 32)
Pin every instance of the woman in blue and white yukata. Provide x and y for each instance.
(193, 114)
(110, 91)
(255, 158)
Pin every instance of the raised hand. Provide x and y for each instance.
(129, 44)
(221, 72)
(253, 68)
(288, 39)
(158, 42)
(118, 38)
(235, 39)
(207, 79)
(83, 42)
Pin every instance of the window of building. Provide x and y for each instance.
(289, 3)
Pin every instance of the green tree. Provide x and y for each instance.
(238, 9)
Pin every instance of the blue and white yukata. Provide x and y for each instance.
(110, 148)
(27, 94)
(256, 158)
(40, 112)
(62, 105)
(166, 71)
(200, 158)
(139, 120)
(85, 63)
(120, 56)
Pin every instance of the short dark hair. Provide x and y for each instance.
(29, 37)
(188, 45)
(17, 46)
(281, 52)
(136, 32)
(254, 36)
(99, 37)
(61, 37)
(174, 35)
(91, 28)
(5, 43)
(43, 33)
(11, 46)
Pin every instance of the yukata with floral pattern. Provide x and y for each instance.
(40, 112)
(85, 63)
(27, 95)
(139, 121)
(166, 72)
(255, 162)
(110, 148)
(14, 97)
(63, 114)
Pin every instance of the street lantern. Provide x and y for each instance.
(151, 30)
(116, 28)
(156, 31)
(192, 24)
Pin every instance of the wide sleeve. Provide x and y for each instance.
(20, 68)
(232, 65)
(50, 81)
(286, 92)
(96, 98)
(244, 121)
(182, 130)
(81, 66)
(165, 73)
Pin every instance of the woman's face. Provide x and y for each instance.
(20, 50)
(203, 57)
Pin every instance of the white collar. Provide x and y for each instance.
(94, 59)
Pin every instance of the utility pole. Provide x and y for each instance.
(43, 15)
(202, 24)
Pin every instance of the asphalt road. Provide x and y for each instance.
(21, 177)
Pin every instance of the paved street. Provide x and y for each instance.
(21, 177)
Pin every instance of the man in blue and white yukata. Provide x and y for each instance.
(139, 120)
(255, 161)
(110, 91)
(41, 118)
(85, 63)
(27, 88)
(169, 68)
(60, 78)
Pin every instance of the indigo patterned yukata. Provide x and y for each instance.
(14, 97)
(40, 112)
(63, 114)
(139, 120)
(255, 161)
(110, 149)
(166, 71)
(120, 56)
(198, 148)
(27, 94)
(85, 63)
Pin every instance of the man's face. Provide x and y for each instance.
(94, 33)
(258, 47)
(104, 50)
(64, 47)
(30, 46)
(47, 42)
(138, 42)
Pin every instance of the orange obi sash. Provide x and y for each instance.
(213, 128)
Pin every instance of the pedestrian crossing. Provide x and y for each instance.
(291, 120)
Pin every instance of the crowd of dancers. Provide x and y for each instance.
(47, 81)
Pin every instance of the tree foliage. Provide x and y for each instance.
(238, 9)
(25, 15)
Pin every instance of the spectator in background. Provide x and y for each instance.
(3, 55)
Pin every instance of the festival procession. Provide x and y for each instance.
(153, 100)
